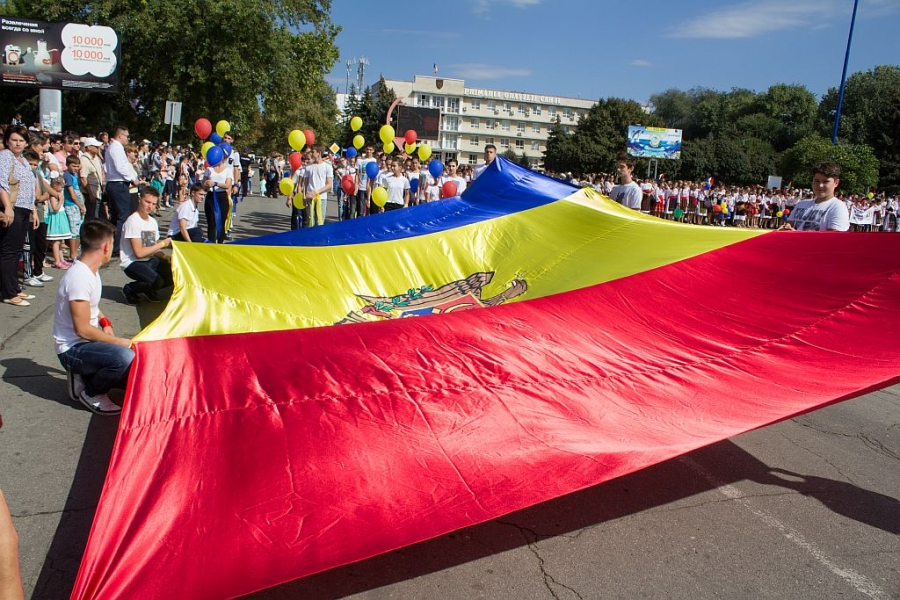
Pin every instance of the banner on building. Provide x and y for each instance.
(70, 56)
(654, 142)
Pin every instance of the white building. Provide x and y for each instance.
(474, 117)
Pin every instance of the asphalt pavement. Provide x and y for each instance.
(807, 508)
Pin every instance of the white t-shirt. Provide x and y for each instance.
(478, 171)
(459, 181)
(628, 195)
(79, 283)
(188, 211)
(828, 215)
(395, 187)
(317, 176)
(137, 228)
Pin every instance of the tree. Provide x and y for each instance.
(867, 103)
(372, 108)
(859, 167)
(560, 155)
(603, 132)
(224, 59)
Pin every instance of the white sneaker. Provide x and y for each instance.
(99, 404)
(34, 282)
(45, 278)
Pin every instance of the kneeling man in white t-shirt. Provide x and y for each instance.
(140, 253)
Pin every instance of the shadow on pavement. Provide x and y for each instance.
(36, 379)
(57, 576)
(655, 486)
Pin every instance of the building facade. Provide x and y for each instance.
(474, 117)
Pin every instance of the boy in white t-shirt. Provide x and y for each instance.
(185, 221)
(140, 253)
(824, 212)
(95, 358)
(627, 193)
(319, 180)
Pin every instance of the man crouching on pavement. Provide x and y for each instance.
(94, 358)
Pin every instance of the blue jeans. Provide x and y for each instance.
(102, 366)
(149, 275)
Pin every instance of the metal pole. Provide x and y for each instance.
(837, 116)
(171, 121)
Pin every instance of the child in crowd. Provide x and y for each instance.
(73, 203)
(158, 184)
(57, 221)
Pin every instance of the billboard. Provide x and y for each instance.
(654, 142)
(426, 122)
(67, 56)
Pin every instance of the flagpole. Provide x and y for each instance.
(837, 116)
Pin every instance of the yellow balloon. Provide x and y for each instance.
(286, 186)
(424, 152)
(779, 214)
(206, 146)
(386, 133)
(410, 148)
(388, 147)
(379, 196)
(355, 123)
(298, 201)
(358, 141)
(297, 140)
(223, 127)
(870, 195)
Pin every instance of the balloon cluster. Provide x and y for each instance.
(214, 150)
(296, 140)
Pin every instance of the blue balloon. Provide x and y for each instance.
(372, 169)
(413, 185)
(214, 156)
(226, 149)
(215, 138)
(435, 167)
(351, 152)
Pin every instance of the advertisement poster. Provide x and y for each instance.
(63, 56)
(654, 142)
(426, 122)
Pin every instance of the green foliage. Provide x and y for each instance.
(868, 104)
(601, 134)
(258, 64)
(859, 167)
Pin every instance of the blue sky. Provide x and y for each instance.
(596, 49)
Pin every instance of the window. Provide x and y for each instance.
(537, 109)
(504, 126)
(565, 130)
(473, 140)
(504, 142)
(424, 100)
(488, 141)
(489, 124)
(492, 105)
(453, 105)
(567, 114)
(507, 106)
(473, 159)
(451, 123)
(520, 144)
(535, 145)
(520, 127)
(449, 141)
(535, 128)
(476, 104)
(552, 111)
(521, 109)
(475, 123)
(438, 102)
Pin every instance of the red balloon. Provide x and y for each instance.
(411, 137)
(348, 185)
(202, 127)
(787, 211)
(310, 137)
(448, 190)
(295, 159)
(717, 208)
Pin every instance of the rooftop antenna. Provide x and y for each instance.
(350, 62)
(361, 72)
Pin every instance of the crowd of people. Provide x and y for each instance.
(755, 206)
